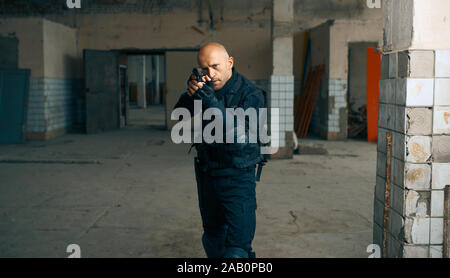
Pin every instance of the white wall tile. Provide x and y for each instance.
(419, 92)
(289, 126)
(437, 231)
(419, 121)
(441, 175)
(420, 231)
(418, 148)
(414, 251)
(442, 67)
(290, 111)
(437, 203)
(436, 252)
(442, 93)
(417, 176)
(441, 119)
(275, 86)
(421, 63)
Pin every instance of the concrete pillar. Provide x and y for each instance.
(141, 82)
(282, 78)
(415, 107)
(156, 79)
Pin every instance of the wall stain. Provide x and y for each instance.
(415, 174)
(418, 152)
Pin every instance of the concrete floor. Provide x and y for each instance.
(132, 193)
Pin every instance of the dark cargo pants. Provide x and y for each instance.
(227, 206)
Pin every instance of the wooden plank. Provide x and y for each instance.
(298, 100)
(301, 101)
(307, 105)
(313, 99)
(305, 101)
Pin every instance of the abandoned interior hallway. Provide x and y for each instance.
(87, 94)
(131, 193)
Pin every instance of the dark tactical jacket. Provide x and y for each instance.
(237, 92)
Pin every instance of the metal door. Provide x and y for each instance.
(102, 88)
(14, 84)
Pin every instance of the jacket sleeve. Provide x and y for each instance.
(253, 99)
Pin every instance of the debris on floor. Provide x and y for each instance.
(357, 123)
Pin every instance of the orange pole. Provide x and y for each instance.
(373, 89)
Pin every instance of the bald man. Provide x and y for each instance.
(225, 173)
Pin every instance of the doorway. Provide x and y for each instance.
(357, 89)
(140, 87)
(147, 87)
(158, 77)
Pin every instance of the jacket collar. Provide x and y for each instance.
(231, 86)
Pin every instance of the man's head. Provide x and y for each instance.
(213, 58)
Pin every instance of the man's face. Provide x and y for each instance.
(217, 66)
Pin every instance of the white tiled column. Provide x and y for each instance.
(281, 88)
(337, 89)
(282, 79)
(414, 105)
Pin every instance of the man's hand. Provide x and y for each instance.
(194, 85)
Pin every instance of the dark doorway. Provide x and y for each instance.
(9, 58)
(357, 89)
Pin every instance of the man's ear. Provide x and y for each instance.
(231, 62)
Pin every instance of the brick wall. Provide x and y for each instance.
(413, 106)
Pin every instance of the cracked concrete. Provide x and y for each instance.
(141, 200)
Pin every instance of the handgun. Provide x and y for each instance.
(198, 74)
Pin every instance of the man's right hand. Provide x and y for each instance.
(194, 85)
